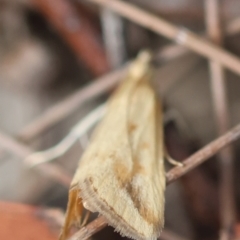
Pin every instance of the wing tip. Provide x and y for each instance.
(89, 195)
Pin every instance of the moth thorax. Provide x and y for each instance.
(141, 66)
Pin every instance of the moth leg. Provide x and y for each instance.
(171, 160)
(86, 217)
(74, 213)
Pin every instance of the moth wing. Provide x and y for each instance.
(121, 174)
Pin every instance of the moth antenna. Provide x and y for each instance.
(171, 160)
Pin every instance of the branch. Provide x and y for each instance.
(175, 173)
(22, 151)
(202, 155)
(220, 102)
(113, 29)
(180, 35)
(87, 231)
(78, 131)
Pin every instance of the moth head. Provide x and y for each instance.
(141, 66)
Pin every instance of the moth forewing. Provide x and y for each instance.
(121, 175)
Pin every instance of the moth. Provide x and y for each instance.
(121, 174)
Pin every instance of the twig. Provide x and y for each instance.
(81, 128)
(114, 37)
(227, 206)
(87, 231)
(206, 152)
(53, 171)
(175, 173)
(67, 106)
(213, 24)
(180, 35)
(77, 31)
(173, 51)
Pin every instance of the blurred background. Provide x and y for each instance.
(60, 59)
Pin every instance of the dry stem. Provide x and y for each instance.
(23, 151)
(76, 133)
(227, 206)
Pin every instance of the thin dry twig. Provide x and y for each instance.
(175, 173)
(114, 37)
(87, 231)
(218, 88)
(80, 129)
(67, 106)
(180, 35)
(22, 151)
(173, 51)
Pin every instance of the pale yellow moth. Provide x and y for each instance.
(121, 174)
